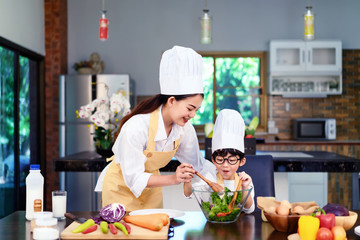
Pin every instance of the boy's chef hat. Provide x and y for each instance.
(229, 131)
(181, 72)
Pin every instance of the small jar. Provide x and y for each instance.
(38, 215)
(46, 229)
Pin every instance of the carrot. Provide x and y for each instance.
(145, 221)
(163, 216)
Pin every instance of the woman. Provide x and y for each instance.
(153, 133)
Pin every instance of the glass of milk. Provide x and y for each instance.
(59, 204)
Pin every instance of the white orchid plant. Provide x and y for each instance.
(105, 113)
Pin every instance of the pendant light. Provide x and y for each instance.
(309, 33)
(104, 22)
(205, 26)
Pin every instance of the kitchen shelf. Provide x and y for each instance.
(305, 86)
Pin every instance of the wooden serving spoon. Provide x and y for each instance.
(232, 203)
(233, 200)
(214, 186)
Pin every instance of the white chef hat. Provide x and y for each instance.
(229, 131)
(181, 72)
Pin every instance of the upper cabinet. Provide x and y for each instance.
(301, 68)
(299, 56)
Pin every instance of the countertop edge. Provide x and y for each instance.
(293, 142)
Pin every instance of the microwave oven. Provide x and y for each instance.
(315, 128)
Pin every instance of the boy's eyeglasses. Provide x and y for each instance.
(230, 160)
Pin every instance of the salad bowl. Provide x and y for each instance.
(215, 205)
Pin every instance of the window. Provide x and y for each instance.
(20, 143)
(236, 81)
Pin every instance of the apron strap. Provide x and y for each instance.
(110, 158)
(220, 180)
(153, 126)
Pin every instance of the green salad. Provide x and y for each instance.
(220, 204)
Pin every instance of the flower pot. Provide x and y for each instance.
(85, 70)
(250, 146)
(208, 152)
(105, 153)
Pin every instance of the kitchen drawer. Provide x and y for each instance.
(305, 187)
(307, 178)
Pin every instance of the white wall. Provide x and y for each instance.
(22, 22)
(140, 30)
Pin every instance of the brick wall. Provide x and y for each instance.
(345, 108)
(55, 64)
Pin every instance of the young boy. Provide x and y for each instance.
(228, 156)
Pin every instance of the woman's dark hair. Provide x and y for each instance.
(151, 104)
(223, 152)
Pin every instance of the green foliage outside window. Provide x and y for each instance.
(7, 120)
(7, 96)
(24, 107)
(6, 102)
(205, 113)
(237, 87)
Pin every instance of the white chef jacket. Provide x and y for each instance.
(210, 173)
(132, 141)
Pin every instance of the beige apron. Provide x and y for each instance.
(114, 189)
(220, 180)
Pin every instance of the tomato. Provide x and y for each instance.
(248, 136)
(339, 233)
(221, 214)
(324, 234)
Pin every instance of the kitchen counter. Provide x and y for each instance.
(308, 161)
(88, 161)
(192, 225)
(296, 142)
(312, 161)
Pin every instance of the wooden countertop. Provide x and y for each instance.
(192, 225)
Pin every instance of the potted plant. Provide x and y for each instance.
(250, 140)
(105, 113)
(83, 67)
(208, 130)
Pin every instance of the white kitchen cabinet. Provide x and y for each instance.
(305, 187)
(299, 56)
(301, 68)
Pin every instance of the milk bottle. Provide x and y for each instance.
(34, 191)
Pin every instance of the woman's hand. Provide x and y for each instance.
(184, 173)
(246, 180)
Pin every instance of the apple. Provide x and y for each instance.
(338, 232)
(324, 234)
